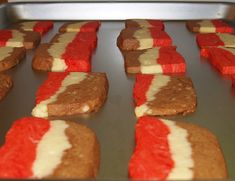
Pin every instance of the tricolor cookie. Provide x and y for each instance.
(142, 38)
(154, 60)
(208, 26)
(64, 94)
(81, 26)
(163, 95)
(41, 27)
(37, 148)
(168, 150)
(62, 57)
(10, 56)
(89, 38)
(5, 85)
(15, 38)
(144, 23)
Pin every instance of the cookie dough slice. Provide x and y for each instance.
(15, 38)
(72, 93)
(62, 57)
(163, 95)
(45, 149)
(10, 56)
(5, 85)
(168, 150)
(80, 26)
(142, 38)
(144, 23)
(209, 26)
(154, 60)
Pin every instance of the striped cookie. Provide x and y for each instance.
(163, 95)
(41, 27)
(62, 57)
(144, 23)
(15, 38)
(154, 60)
(81, 26)
(5, 85)
(49, 149)
(89, 38)
(168, 150)
(208, 26)
(10, 56)
(73, 93)
(142, 38)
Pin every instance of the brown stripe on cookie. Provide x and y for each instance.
(131, 23)
(126, 39)
(87, 96)
(31, 39)
(42, 60)
(178, 96)
(208, 158)
(193, 25)
(5, 85)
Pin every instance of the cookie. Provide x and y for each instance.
(168, 150)
(209, 26)
(10, 56)
(62, 57)
(15, 38)
(41, 27)
(144, 23)
(154, 60)
(55, 149)
(163, 95)
(223, 59)
(74, 93)
(142, 38)
(81, 26)
(5, 85)
(89, 38)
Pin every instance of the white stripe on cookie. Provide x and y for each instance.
(206, 26)
(144, 38)
(228, 39)
(5, 52)
(16, 40)
(28, 26)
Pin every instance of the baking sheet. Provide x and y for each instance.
(114, 123)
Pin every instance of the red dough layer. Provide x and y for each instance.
(43, 27)
(156, 23)
(160, 38)
(152, 157)
(89, 38)
(222, 27)
(77, 57)
(91, 26)
(171, 61)
(19, 151)
(222, 59)
(5, 35)
(233, 80)
(50, 86)
(141, 87)
(208, 40)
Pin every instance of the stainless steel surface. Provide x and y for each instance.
(114, 123)
(121, 10)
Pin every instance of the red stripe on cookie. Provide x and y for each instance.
(221, 27)
(160, 38)
(156, 23)
(141, 87)
(5, 35)
(87, 38)
(50, 86)
(43, 26)
(209, 40)
(152, 157)
(19, 151)
(90, 26)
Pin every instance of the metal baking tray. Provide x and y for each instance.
(114, 124)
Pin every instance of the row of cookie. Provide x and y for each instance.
(161, 145)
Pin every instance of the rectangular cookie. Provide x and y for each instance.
(209, 26)
(71, 93)
(80, 26)
(175, 150)
(142, 38)
(15, 38)
(89, 38)
(144, 23)
(5, 85)
(10, 56)
(41, 27)
(154, 60)
(162, 95)
(49, 149)
(62, 57)
(223, 59)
